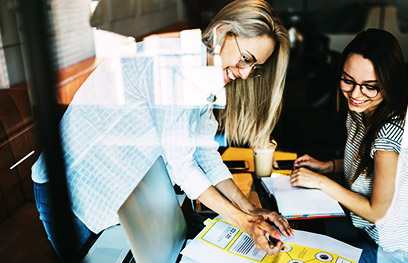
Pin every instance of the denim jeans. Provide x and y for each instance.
(342, 229)
(42, 199)
(391, 257)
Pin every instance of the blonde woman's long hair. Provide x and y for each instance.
(253, 105)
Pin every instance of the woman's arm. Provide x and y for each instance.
(329, 167)
(231, 191)
(254, 225)
(373, 209)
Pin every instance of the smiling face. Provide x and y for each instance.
(361, 71)
(257, 48)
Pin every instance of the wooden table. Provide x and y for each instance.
(245, 181)
(251, 186)
(233, 153)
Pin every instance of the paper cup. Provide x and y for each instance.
(263, 160)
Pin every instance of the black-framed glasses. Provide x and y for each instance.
(367, 90)
(247, 61)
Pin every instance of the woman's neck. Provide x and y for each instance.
(368, 115)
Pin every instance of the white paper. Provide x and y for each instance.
(312, 246)
(203, 251)
(295, 202)
(185, 259)
(325, 243)
(222, 234)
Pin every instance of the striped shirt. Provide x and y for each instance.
(116, 127)
(388, 139)
(393, 228)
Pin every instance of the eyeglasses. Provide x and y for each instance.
(369, 91)
(247, 61)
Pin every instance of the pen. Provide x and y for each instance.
(271, 243)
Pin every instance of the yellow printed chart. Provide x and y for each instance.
(293, 253)
(234, 241)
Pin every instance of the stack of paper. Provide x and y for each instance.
(297, 203)
(221, 241)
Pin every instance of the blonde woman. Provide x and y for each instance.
(255, 50)
(109, 147)
(254, 84)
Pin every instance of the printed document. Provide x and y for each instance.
(221, 241)
(296, 203)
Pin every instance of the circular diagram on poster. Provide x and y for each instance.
(286, 248)
(324, 257)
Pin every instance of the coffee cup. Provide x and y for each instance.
(263, 159)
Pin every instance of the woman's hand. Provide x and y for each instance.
(311, 163)
(278, 220)
(303, 177)
(247, 216)
(257, 227)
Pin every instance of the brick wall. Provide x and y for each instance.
(73, 34)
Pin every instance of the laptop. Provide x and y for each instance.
(152, 225)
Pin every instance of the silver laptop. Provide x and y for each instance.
(152, 221)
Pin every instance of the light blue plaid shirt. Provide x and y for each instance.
(114, 130)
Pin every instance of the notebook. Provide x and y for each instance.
(152, 225)
(299, 203)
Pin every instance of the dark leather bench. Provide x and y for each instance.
(22, 236)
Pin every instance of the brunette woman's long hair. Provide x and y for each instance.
(384, 52)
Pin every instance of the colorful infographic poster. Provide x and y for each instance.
(221, 241)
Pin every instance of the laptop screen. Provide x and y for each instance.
(152, 218)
